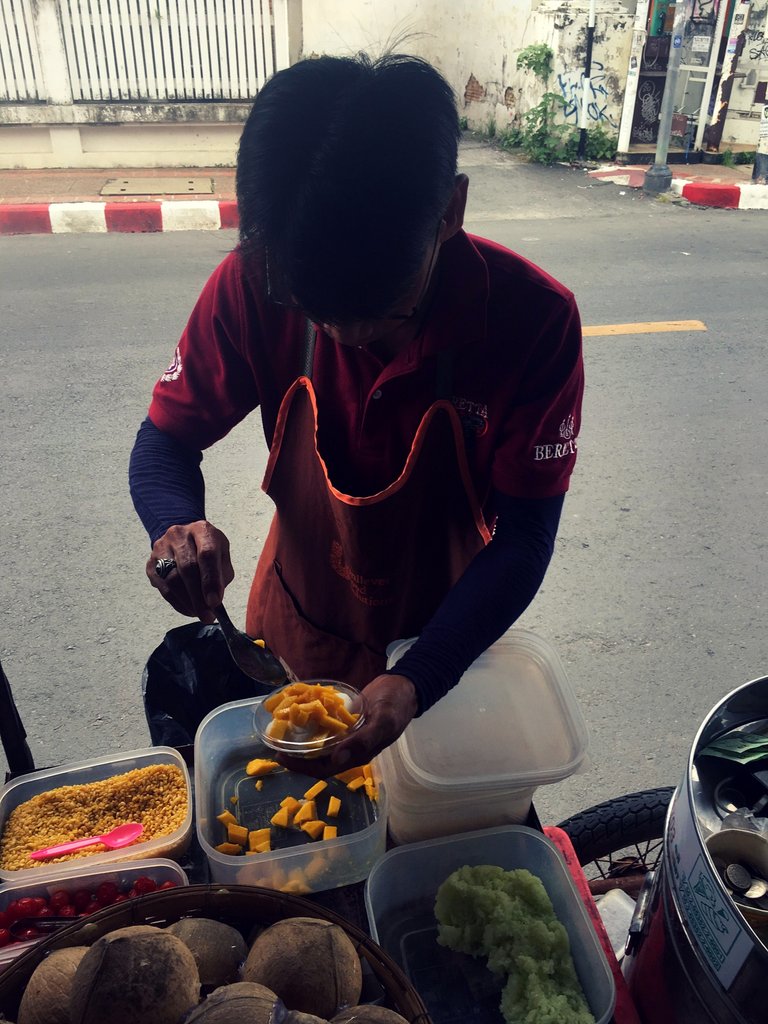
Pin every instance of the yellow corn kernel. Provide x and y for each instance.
(314, 829)
(229, 848)
(237, 834)
(260, 766)
(334, 806)
(315, 790)
(330, 832)
(226, 818)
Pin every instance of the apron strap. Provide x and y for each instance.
(308, 357)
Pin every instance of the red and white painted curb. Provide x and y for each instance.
(744, 196)
(724, 195)
(62, 218)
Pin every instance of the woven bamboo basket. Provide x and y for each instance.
(245, 907)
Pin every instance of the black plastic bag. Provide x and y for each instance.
(186, 677)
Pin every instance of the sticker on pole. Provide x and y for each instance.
(709, 916)
(677, 42)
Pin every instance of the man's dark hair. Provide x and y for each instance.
(345, 167)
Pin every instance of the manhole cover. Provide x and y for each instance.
(157, 186)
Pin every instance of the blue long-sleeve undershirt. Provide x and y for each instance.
(168, 489)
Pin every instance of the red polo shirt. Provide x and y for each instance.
(516, 377)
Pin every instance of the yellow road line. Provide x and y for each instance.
(648, 327)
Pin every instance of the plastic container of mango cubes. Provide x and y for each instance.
(475, 759)
(227, 740)
(305, 737)
(400, 905)
(24, 788)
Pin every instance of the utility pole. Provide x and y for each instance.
(760, 170)
(586, 82)
(658, 178)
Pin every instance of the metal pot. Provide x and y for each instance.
(695, 958)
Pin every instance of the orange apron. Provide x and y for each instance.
(340, 576)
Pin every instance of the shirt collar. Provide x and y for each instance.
(457, 313)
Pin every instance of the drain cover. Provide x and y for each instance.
(157, 186)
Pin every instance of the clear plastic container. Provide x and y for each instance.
(476, 758)
(296, 744)
(226, 741)
(122, 875)
(27, 786)
(400, 904)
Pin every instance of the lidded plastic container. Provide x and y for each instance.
(82, 877)
(400, 904)
(25, 787)
(226, 741)
(475, 759)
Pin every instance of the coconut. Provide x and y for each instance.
(368, 1013)
(131, 974)
(245, 1002)
(311, 964)
(218, 949)
(46, 997)
(297, 1017)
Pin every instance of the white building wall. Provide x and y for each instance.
(475, 45)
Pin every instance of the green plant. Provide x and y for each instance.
(463, 124)
(601, 145)
(542, 138)
(536, 58)
(728, 158)
(490, 127)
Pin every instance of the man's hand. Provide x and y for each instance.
(203, 568)
(389, 704)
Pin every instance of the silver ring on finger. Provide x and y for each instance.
(164, 567)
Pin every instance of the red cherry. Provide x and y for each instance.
(5, 937)
(59, 899)
(122, 898)
(81, 899)
(26, 907)
(133, 893)
(46, 912)
(92, 907)
(168, 885)
(106, 893)
(143, 885)
(40, 904)
(68, 911)
(5, 921)
(12, 911)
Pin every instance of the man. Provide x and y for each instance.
(420, 391)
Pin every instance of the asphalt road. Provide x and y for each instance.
(656, 597)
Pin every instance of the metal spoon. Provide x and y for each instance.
(121, 836)
(252, 657)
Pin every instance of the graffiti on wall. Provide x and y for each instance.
(597, 97)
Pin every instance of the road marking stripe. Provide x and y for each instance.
(647, 327)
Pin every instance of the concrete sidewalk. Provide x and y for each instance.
(71, 200)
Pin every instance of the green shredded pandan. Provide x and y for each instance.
(508, 917)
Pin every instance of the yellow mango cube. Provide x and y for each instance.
(334, 806)
(226, 818)
(307, 812)
(237, 834)
(260, 766)
(330, 832)
(314, 829)
(316, 790)
(229, 848)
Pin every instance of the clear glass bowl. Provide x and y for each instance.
(299, 742)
